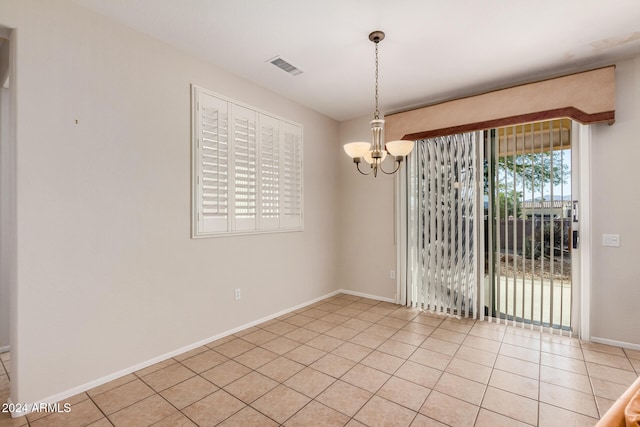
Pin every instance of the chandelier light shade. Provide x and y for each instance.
(376, 151)
(357, 149)
(400, 148)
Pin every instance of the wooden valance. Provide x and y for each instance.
(587, 97)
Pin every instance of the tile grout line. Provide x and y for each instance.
(391, 375)
(372, 350)
(339, 379)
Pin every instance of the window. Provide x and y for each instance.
(247, 169)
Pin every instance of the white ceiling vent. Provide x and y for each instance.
(284, 65)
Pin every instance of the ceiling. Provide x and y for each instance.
(433, 50)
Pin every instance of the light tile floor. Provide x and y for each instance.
(359, 362)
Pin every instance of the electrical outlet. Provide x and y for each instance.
(392, 274)
(237, 294)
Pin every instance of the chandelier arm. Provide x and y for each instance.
(358, 167)
(398, 162)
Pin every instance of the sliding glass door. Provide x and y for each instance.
(528, 213)
(489, 225)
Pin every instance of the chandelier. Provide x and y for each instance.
(375, 152)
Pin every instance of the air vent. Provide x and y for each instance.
(284, 65)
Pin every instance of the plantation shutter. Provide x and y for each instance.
(292, 198)
(212, 166)
(245, 174)
(269, 172)
(246, 169)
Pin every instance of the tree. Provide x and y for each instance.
(533, 170)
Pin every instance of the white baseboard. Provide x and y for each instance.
(92, 384)
(615, 343)
(363, 295)
(5, 349)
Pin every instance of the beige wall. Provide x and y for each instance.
(616, 205)
(367, 250)
(108, 276)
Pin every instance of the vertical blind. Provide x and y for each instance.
(442, 216)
